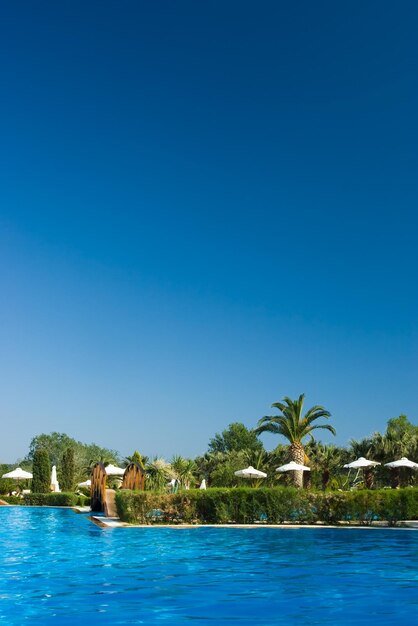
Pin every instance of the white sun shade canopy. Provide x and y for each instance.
(112, 470)
(17, 474)
(361, 462)
(403, 462)
(86, 483)
(250, 472)
(293, 467)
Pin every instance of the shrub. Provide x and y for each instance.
(67, 470)
(41, 481)
(272, 505)
(12, 499)
(51, 499)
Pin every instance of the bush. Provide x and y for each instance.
(270, 505)
(51, 499)
(41, 481)
(67, 470)
(12, 499)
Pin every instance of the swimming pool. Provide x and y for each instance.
(56, 567)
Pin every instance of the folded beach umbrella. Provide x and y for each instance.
(250, 472)
(112, 470)
(54, 480)
(293, 467)
(403, 462)
(360, 463)
(203, 484)
(18, 474)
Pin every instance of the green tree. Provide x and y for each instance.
(363, 448)
(326, 460)
(67, 473)
(184, 470)
(157, 475)
(54, 443)
(399, 440)
(7, 485)
(136, 457)
(235, 438)
(41, 470)
(85, 455)
(295, 427)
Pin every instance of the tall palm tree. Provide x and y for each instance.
(294, 426)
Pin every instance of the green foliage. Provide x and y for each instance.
(85, 455)
(291, 423)
(12, 499)
(54, 443)
(236, 438)
(67, 470)
(219, 467)
(136, 457)
(326, 462)
(157, 474)
(41, 481)
(54, 499)
(184, 471)
(267, 505)
(7, 485)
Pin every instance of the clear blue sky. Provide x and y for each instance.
(205, 207)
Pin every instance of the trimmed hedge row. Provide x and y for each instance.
(48, 499)
(270, 505)
(11, 499)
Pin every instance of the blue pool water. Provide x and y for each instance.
(56, 567)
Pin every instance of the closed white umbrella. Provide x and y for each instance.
(54, 480)
(250, 472)
(203, 484)
(112, 470)
(293, 467)
(360, 463)
(403, 462)
(18, 474)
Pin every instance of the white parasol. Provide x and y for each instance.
(250, 472)
(361, 463)
(403, 462)
(293, 467)
(112, 470)
(18, 474)
(86, 483)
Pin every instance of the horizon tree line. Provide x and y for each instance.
(238, 446)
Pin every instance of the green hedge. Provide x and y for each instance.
(55, 499)
(270, 505)
(11, 499)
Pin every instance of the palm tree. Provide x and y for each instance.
(184, 470)
(326, 460)
(363, 448)
(157, 474)
(103, 458)
(294, 426)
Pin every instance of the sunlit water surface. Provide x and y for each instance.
(56, 567)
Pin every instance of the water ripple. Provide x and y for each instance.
(56, 567)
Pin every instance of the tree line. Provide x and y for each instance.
(239, 446)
